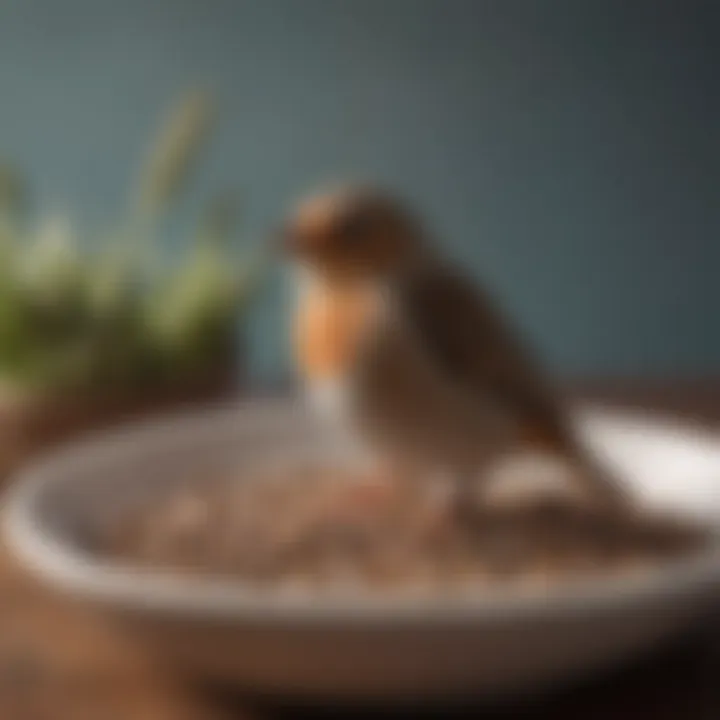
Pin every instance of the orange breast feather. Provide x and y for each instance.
(328, 328)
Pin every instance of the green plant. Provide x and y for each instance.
(98, 316)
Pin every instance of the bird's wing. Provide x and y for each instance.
(463, 335)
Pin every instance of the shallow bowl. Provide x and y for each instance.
(341, 644)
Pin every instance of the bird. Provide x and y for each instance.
(414, 362)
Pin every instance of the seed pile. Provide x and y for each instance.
(317, 527)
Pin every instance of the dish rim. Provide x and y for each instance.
(125, 586)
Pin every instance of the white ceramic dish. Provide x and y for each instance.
(342, 644)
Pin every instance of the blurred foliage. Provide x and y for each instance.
(78, 316)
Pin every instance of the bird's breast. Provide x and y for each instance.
(331, 326)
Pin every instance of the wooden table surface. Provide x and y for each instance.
(58, 663)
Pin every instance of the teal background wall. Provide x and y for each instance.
(566, 151)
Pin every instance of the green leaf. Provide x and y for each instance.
(173, 154)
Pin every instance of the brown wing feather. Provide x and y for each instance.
(467, 338)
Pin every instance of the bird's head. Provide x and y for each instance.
(352, 233)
